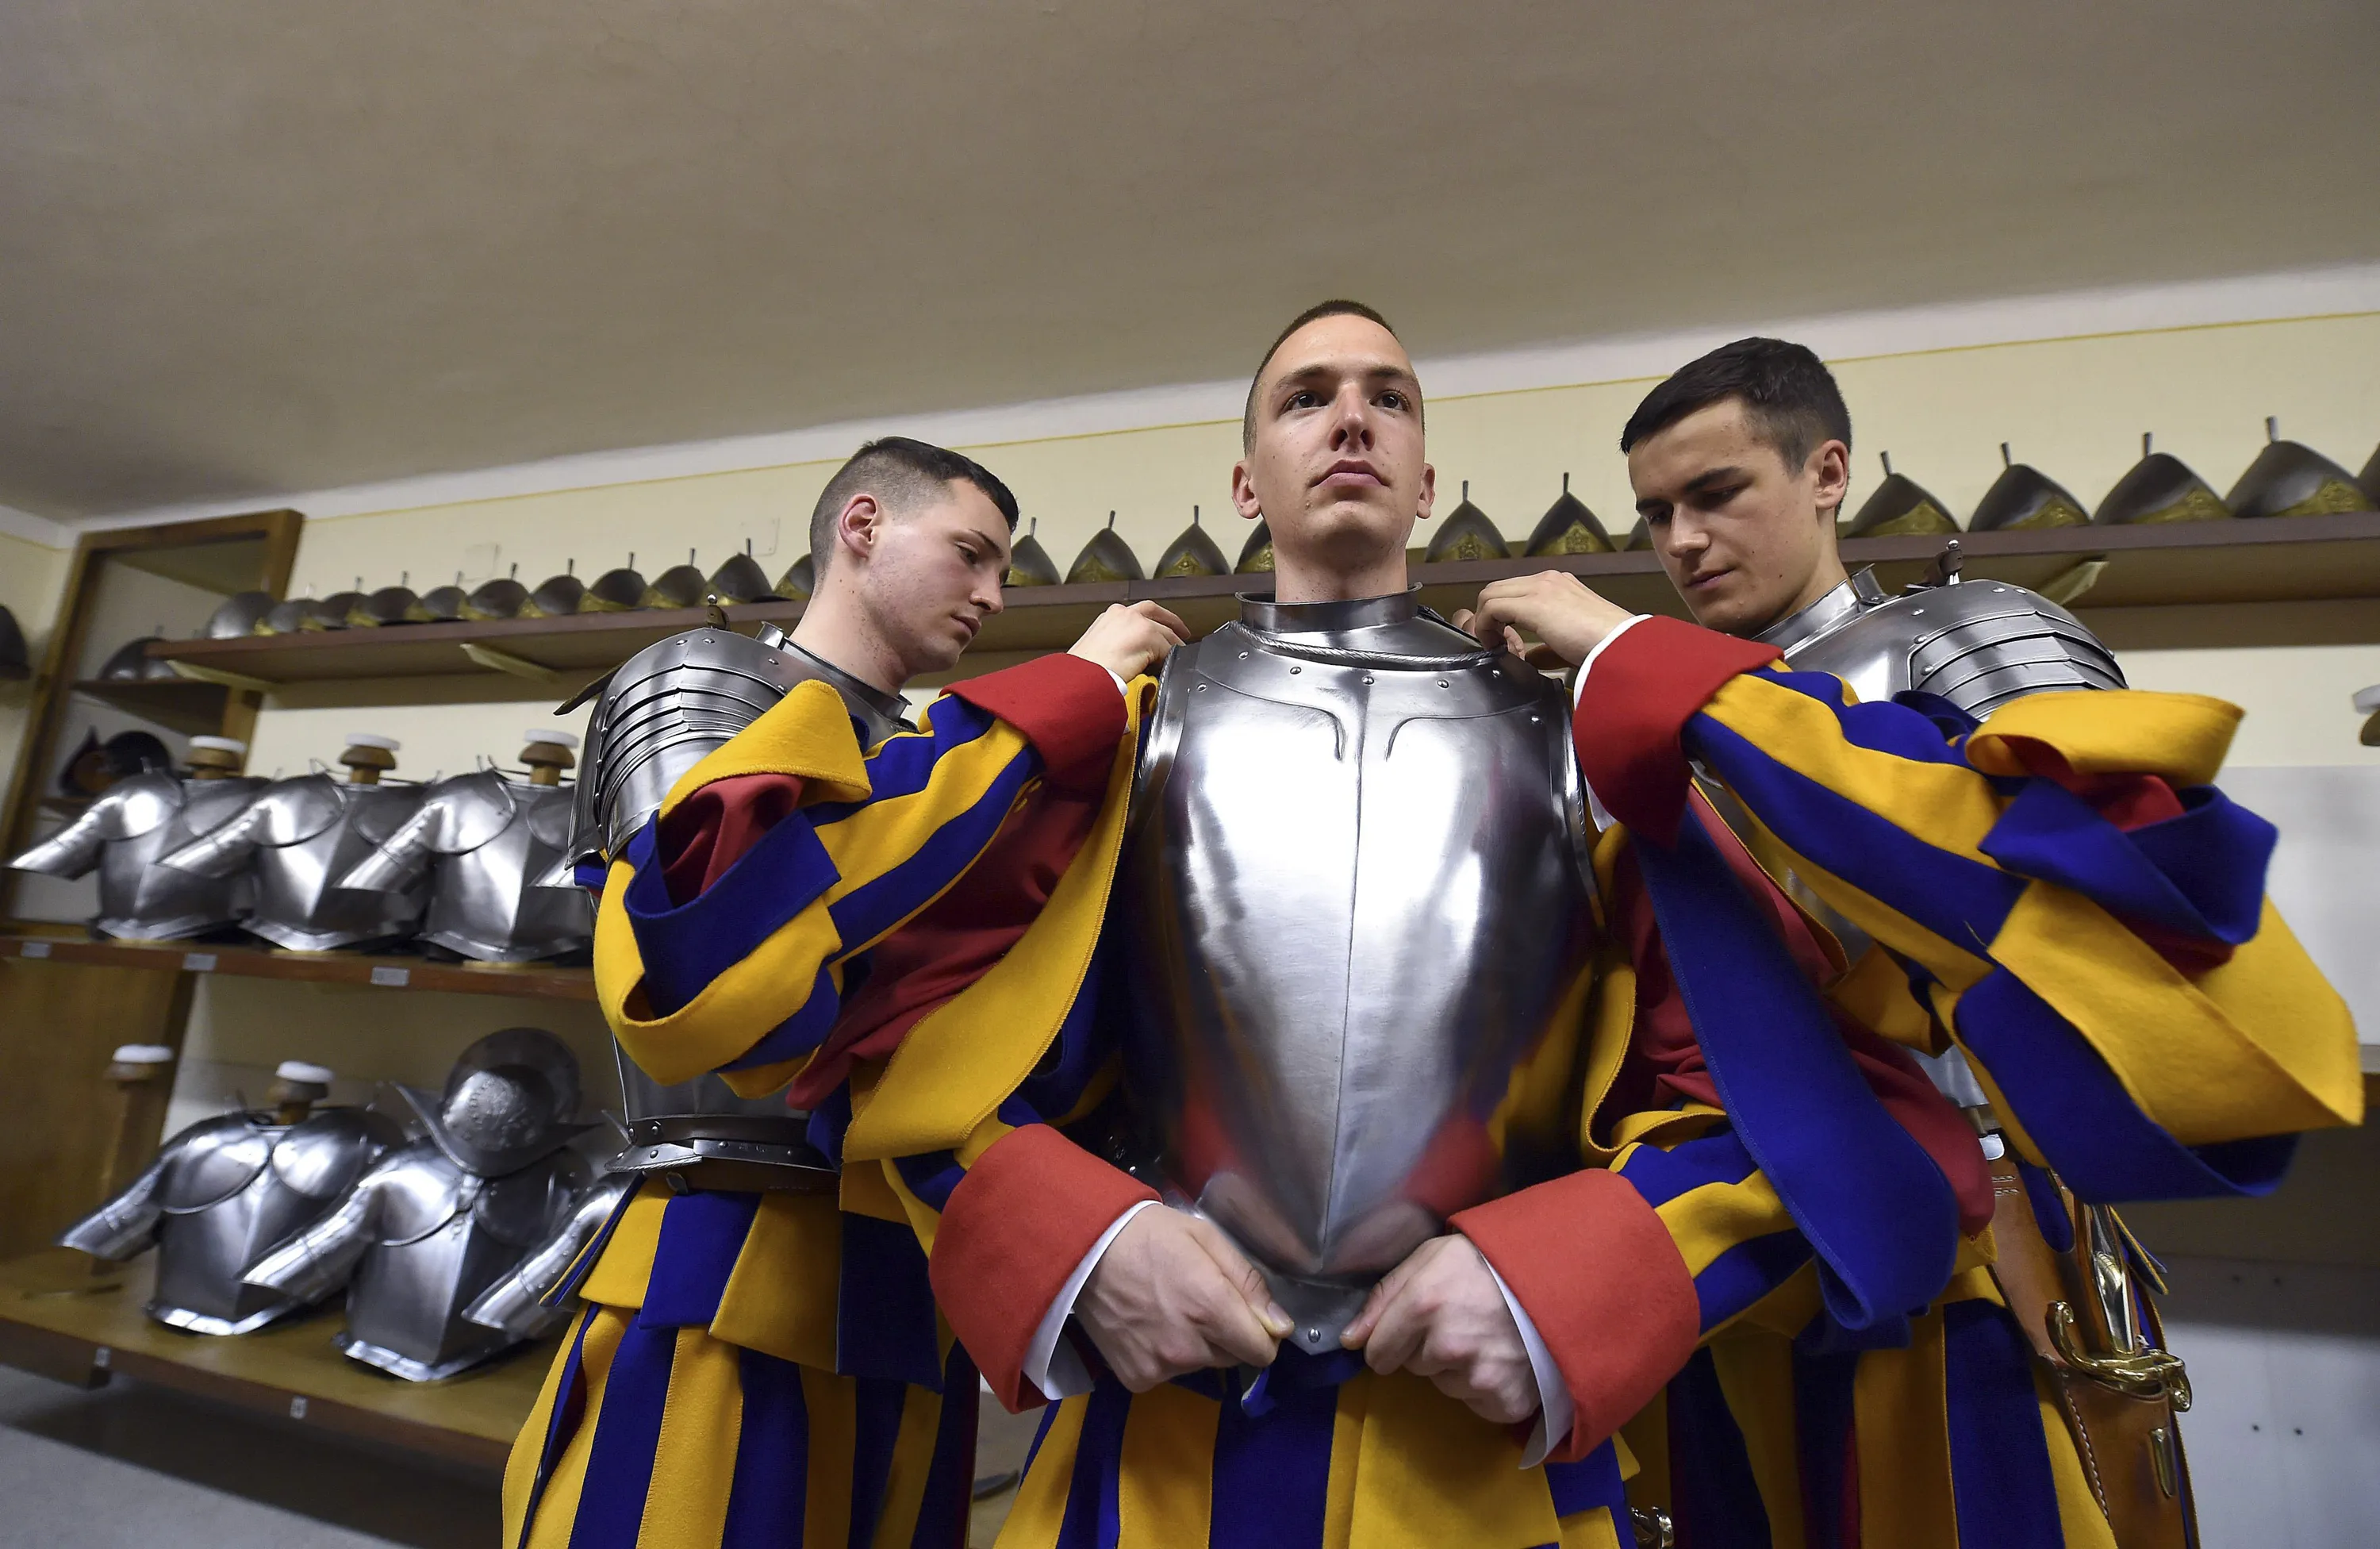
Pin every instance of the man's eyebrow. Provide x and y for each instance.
(1374, 370)
(1711, 478)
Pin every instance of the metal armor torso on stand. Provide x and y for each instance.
(1354, 892)
(126, 831)
(296, 839)
(484, 840)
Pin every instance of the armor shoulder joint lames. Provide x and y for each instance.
(1975, 644)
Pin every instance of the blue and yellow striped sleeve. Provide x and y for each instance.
(746, 976)
(2147, 1020)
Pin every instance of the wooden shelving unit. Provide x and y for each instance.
(183, 705)
(2291, 560)
(312, 968)
(59, 1319)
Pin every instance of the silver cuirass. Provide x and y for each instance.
(219, 1196)
(294, 840)
(482, 840)
(434, 1225)
(125, 832)
(1354, 892)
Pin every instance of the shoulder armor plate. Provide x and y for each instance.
(1977, 645)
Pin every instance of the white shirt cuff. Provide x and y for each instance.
(1051, 1364)
(1557, 1411)
(1117, 679)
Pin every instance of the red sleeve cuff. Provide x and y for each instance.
(1015, 1227)
(1066, 707)
(1633, 710)
(1603, 1282)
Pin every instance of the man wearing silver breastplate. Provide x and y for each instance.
(224, 1192)
(432, 1223)
(760, 1345)
(1486, 1148)
(136, 820)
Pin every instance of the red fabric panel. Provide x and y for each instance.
(1015, 1227)
(1066, 707)
(1643, 689)
(711, 830)
(1597, 1273)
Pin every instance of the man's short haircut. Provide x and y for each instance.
(1341, 307)
(1787, 393)
(903, 475)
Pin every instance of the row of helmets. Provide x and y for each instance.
(2286, 480)
(261, 1213)
(319, 861)
(622, 590)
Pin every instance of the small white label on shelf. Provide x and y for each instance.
(101, 1357)
(36, 949)
(197, 962)
(297, 1406)
(392, 978)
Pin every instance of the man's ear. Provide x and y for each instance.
(1244, 493)
(1829, 469)
(857, 527)
(1429, 492)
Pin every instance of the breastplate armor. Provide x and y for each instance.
(1354, 892)
(124, 831)
(481, 840)
(295, 839)
(516, 1301)
(663, 712)
(219, 1196)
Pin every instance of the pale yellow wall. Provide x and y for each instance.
(33, 575)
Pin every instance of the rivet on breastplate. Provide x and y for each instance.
(1202, 688)
(1442, 683)
(1367, 677)
(1535, 719)
(1298, 670)
(1243, 655)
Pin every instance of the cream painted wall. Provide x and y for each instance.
(33, 577)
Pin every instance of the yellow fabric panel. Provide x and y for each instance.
(924, 1219)
(1788, 1307)
(963, 1059)
(1901, 1413)
(558, 1508)
(1611, 1023)
(619, 1277)
(1429, 1472)
(1876, 992)
(807, 734)
(694, 1459)
(529, 1443)
(781, 1297)
(2122, 731)
(1040, 1509)
(1952, 962)
(1955, 807)
(1755, 1376)
(1159, 1502)
(867, 1192)
(913, 1462)
(1647, 1433)
(2083, 1525)
(1347, 1448)
(1707, 1221)
(1593, 1528)
(2173, 1044)
(1543, 1085)
(834, 1429)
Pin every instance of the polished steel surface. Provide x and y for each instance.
(294, 840)
(1977, 643)
(1355, 891)
(514, 1300)
(124, 831)
(508, 1102)
(219, 1196)
(482, 841)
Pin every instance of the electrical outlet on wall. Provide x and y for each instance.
(480, 561)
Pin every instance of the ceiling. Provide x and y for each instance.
(251, 248)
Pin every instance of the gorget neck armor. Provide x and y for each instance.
(482, 840)
(434, 1225)
(124, 833)
(1354, 895)
(223, 1193)
(295, 839)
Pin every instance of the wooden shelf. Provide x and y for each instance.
(181, 704)
(60, 1320)
(542, 980)
(2294, 559)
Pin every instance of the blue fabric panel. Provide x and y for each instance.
(932, 1176)
(1747, 1272)
(701, 1235)
(685, 946)
(950, 1479)
(1094, 1519)
(1662, 1175)
(2050, 832)
(1080, 1048)
(903, 764)
(1593, 1481)
(769, 1496)
(1293, 1370)
(1876, 1210)
(2048, 1209)
(1911, 728)
(590, 875)
(2087, 1125)
(1960, 900)
(1048, 1413)
(1715, 1499)
(879, 904)
(884, 1317)
(1822, 1420)
(1272, 1479)
(830, 1121)
(877, 1429)
(569, 1412)
(2006, 1494)
(627, 1431)
(802, 1031)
